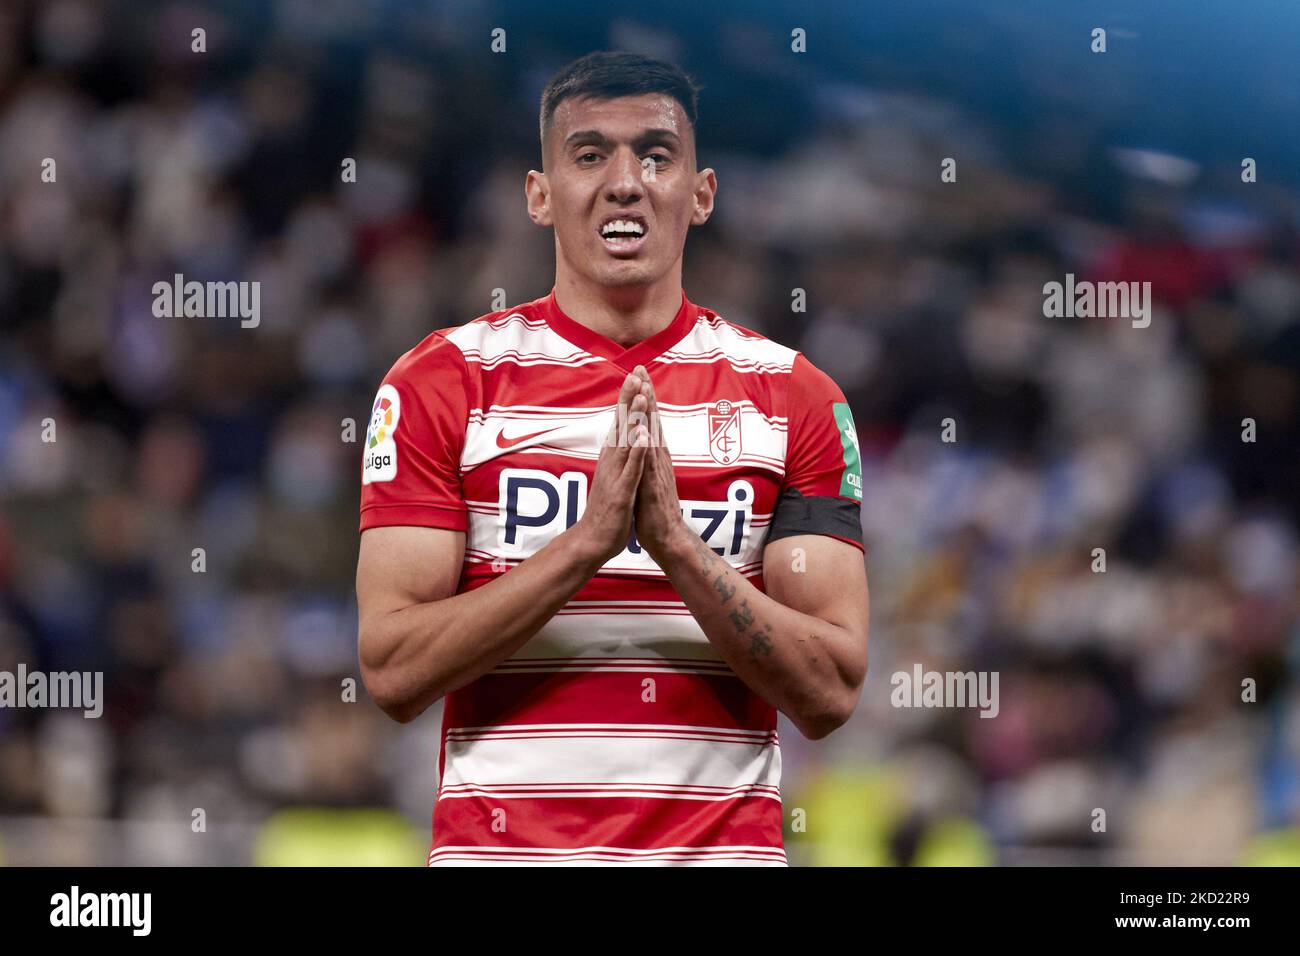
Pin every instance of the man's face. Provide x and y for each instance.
(630, 159)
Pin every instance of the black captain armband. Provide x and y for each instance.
(818, 514)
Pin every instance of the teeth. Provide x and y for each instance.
(622, 227)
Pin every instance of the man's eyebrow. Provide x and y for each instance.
(585, 136)
(598, 138)
(659, 136)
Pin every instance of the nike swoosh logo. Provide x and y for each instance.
(503, 442)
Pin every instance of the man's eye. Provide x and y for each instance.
(585, 155)
(659, 156)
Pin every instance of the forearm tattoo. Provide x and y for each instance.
(742, 616)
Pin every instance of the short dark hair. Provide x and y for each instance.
(607, 74)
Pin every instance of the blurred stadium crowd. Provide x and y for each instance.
(1120, 690)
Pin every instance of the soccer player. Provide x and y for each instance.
(613, 530)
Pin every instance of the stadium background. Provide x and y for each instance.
(1119, 690)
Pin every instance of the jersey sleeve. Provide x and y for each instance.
(822, 489)
(410, 472)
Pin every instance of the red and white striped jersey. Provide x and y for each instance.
(617, 734)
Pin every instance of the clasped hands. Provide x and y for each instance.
(634, 479)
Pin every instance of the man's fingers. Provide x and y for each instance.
(652, 411)
(626, 393)
(630, 386)
(634, 414)
(647, 389)
(656, 421)
(636, 457)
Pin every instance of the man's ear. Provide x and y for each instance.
(706, 188)
(537, 192)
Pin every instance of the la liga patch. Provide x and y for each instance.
(851, 477)
(381, 449)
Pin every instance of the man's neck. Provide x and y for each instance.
(626, 315)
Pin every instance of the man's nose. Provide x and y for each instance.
(625, 174)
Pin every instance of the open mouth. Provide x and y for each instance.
(623, 234)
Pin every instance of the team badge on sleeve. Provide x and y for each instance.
(724, 432)
(381, 450)
(851, 477)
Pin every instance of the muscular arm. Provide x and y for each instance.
(802, 646)
(418, 639)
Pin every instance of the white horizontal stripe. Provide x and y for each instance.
(685, 731)
(633, 637)
(537, 324)
(624, 608)
(525, 413)
(775, 465)
(648, 669)
(686, 432)
(628, 603)
(551, 789)
(529, 413)
(652, 612)
(519, 360)
(539, 447)
(603, 860)
(631, 761)
(614, 666)
(486, 557)
(615, 570)
(611, 850)
(594, 661)
(516, 338)
(717, 334)
(727, 861)
(597, 855)
(600, 791)
(669, 358)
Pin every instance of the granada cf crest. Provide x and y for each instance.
(724, 432)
